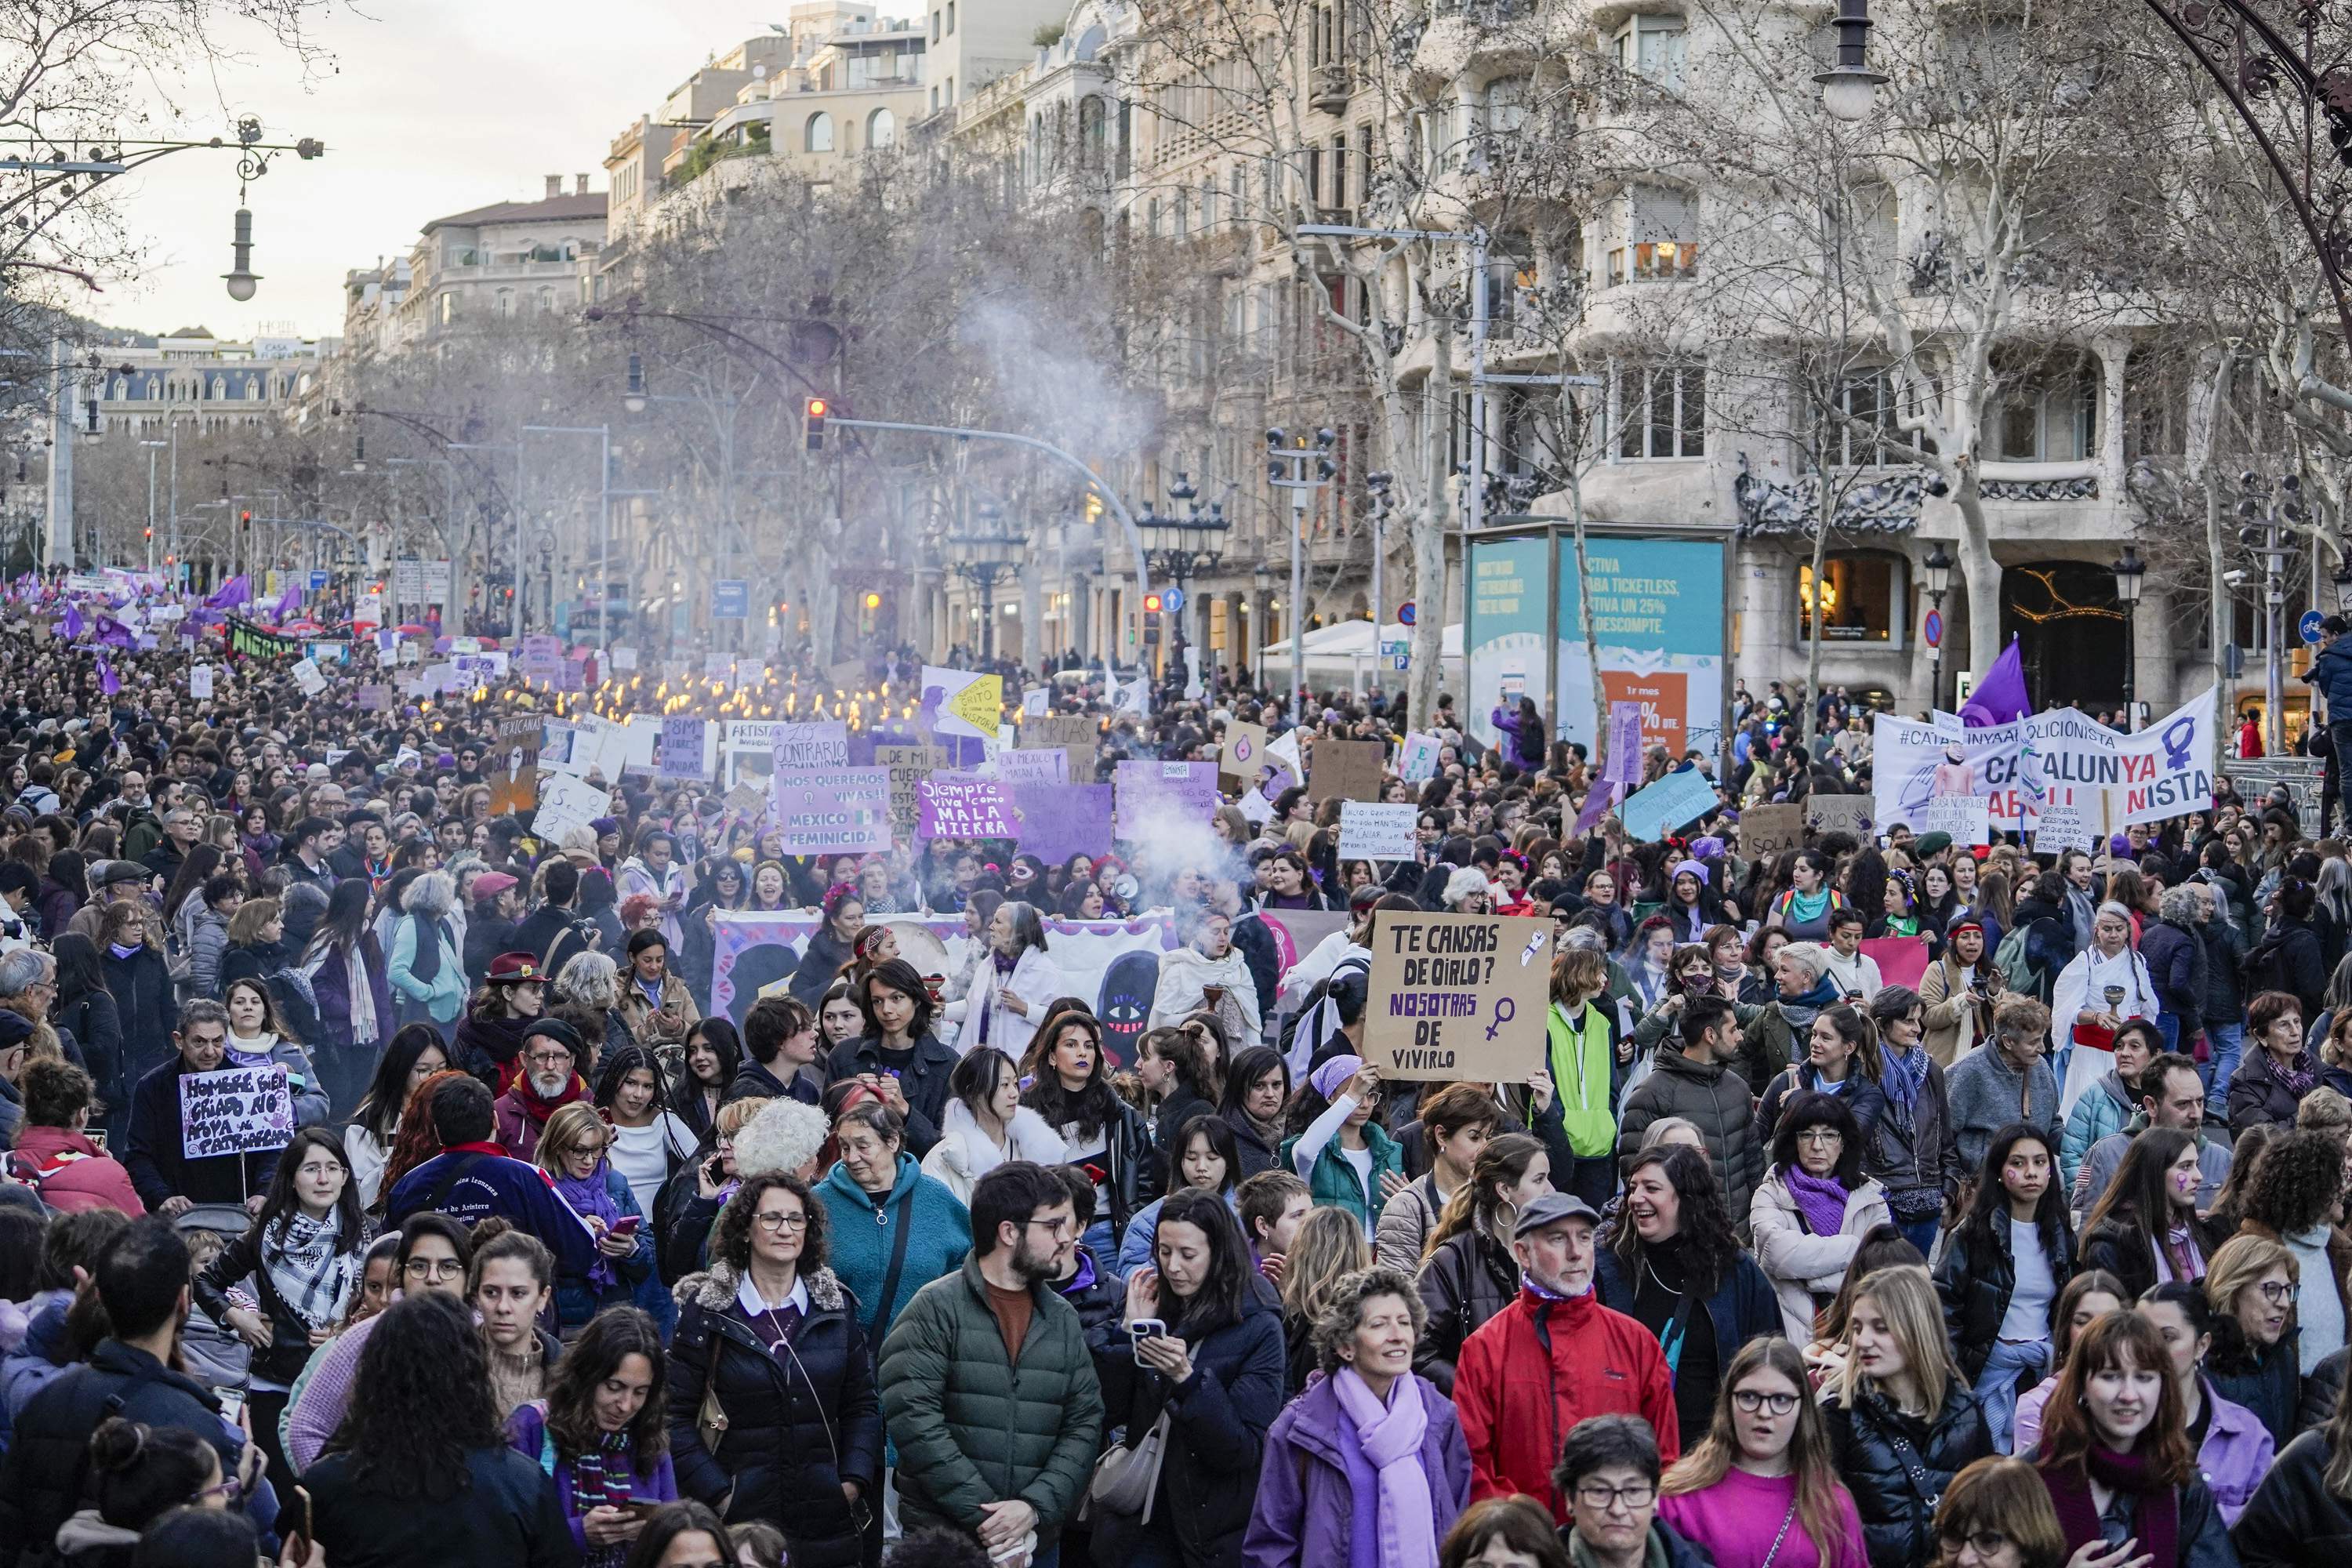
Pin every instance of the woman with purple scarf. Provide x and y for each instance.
(1813, 1207)
(601, 1434)
(572, 1152)
(1367, 1469)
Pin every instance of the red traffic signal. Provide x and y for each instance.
(1150, 603)
(814, 414)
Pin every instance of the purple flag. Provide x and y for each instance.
(288, 601)
(75, 626)
(1999, 697)
(1598, 799)
(108, 681)
(237, 591)
(114, 633)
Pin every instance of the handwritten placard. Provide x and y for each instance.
(908, 766)
(832, 811)
(681, 746)
(1457, 998)
(965, 805)
(1769, 829)
(1369, 830)
(235, 1110)
(818, 744)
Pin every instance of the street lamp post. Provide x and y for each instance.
(1180, 546)
(1378, 482)
(2264, 532)
(982, 552)
(2129, 569)
(1939, 567)
(1262, 581)
(152, 448)
(1288, 468)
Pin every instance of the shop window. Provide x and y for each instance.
(1859, 598)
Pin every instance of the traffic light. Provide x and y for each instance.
(244, 520)
(1151, 620)
(815, 418)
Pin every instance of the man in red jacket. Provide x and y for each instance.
(1552, 1358)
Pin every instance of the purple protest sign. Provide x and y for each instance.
(963, 806)
(1151, 795)
(1624, 765)
(680, 755)
(1597, 802)
(1059, 820)
(831, 811)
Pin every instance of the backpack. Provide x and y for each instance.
(2016, 969)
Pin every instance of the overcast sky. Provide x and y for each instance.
(429, 107)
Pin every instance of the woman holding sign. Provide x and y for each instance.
(2106, 984)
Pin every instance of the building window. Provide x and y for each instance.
(1094, 132)
(1661, 411)
(816, 136)
(881, 129)
(1656, 234)
(951, 18)
(448, 309)
(1506, 104)
(546, 301)
(1854, 434)
(1652, 47)
(935, 27)
(1858, 596)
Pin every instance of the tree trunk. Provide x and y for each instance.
(1600, 729)
(1429, 557)
(1980, 573)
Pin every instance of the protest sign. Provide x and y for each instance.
(542, 645)
(1369, 830)
(1458, 997)
(512, 766)
(200, 682)
(568, 803)
(681, 746)
(1244, 745)
(1417, 759)
(1769, 829)
(2061, 830)
(1283, 752)
(1675, 800)
(625, 659)
(309, 677)
(1901, 960)
(235, 1110)
(1965, 817)
(1061, 730)
(1622, 765)
(1840, 814)
(908, 766)
(746, 801)
(965, 805)
(959, 703)
(1034, 701)
(373, 698)
(1161, 797)
(1345, 770)
(1059, 820)
(643, 733)
(818, 744)
(1047, 765)
(832, 811)
(2168, 766)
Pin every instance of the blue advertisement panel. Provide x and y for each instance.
(1503, 641)
(1657, 612)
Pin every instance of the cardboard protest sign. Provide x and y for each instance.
(745, 801)
(200, 682)
(1048, 765)
(1158, 796)
(1244, 744)
(821, 743)
(965, 805)
(310, 676)
(1345, 770)
(1769, 829)
(1369, 830)
(1458, 997)
(908, 766)
(680, 755)
(568, 803)
(375, 697)
(1966, 818)
(512, 766)
(832, 811)
(235, 1110)
(1675, 800)
(1059, 820)
(1061, 730)
(1851, 814)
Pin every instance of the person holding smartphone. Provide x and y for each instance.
(572, 1151)
(601, 1433)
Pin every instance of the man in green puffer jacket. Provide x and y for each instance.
(1697, 1084)
(991, 1439)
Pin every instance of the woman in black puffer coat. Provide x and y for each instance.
(2295, 1517)
(1468, 1274)
(1909, 1412)
(803, 1417)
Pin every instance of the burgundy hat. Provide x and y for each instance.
(490, 884)
(514, 968)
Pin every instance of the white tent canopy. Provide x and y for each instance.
(1354, 639)
(1345, 655)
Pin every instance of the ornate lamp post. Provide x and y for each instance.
(1180, 546)
(981, 550)
(2128, 570)
(1939, 567)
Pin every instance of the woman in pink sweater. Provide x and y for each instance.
(1760, 1486)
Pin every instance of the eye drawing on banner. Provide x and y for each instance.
(1127, 991)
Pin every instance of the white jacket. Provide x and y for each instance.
(1034, 979)
(1184, 979)
(1798, 1263)
(964, 1154)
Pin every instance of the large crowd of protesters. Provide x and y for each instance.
(1758, 1258)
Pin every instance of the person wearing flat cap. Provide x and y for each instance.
(1554, 1357)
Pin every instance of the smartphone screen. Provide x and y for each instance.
(232, 1403)
(627, 1225)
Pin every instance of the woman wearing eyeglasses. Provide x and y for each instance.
(137, 1474)
(1997, 1514)
(435, 1251)
(2004, 1272)
(2250, 1287)
(770, 1336)
(1813, 1207)
(1760, 1486)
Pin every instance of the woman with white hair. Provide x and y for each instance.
(1467, 891)
(426, 970)
(587, 995)
(2105, 985)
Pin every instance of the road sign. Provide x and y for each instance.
(1404, 616)
(1934, 629)
(1173, 598)
(318, 581)
(2309, 627)
(730, 599)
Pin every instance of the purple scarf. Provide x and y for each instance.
(1389, 1435)
(1820, 1199)
(589, 1197)
(2156, 1515)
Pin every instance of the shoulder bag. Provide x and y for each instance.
(1127, 1479)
